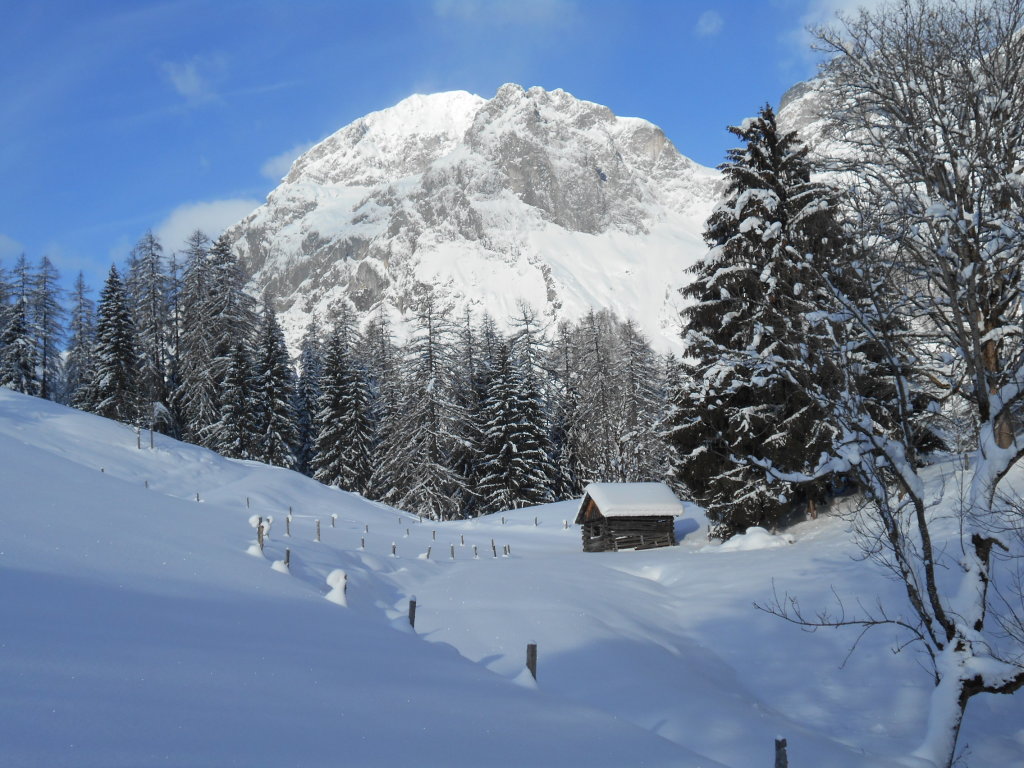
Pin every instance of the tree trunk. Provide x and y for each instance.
(945, 714)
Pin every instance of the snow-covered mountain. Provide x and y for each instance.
(531, 196)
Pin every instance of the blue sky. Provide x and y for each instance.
(118, 117)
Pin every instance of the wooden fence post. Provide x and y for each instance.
(394, 549)
(781, 758)
(531, 659)
(475, 555)
(259, 533)
(412, 611)
(453, 551)
(318, 530)
(247, 502)
(362, 543)
(287, 558)
(288, 525)
(462, 539)
(197, 497)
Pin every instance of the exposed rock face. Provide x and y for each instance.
(531, 196)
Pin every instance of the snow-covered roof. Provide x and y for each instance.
(633, 499)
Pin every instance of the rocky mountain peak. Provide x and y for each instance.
(532, 195)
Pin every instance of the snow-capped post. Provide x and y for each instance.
(781, 759)
(259, 533)
(452, 547)
(287, 557)
(531, 659)
(565, 525)
(412, 611)
(318, 530)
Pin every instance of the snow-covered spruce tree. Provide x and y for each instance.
(343, 424)
(515, 465)
(751, 339)
(381, 359)
(217, 313)
(307, 394)
(416, 470)
(195, 399)
(928, 97)
(148, 288)
(17, 351)
(114, 391)
(236, 433)
(47, 315)
(273, 392)
(79, 367)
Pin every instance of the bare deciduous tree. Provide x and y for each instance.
(928, 98)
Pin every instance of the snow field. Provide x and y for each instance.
(140, 629)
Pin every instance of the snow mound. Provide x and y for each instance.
(754, 538)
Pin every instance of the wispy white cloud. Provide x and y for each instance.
(195, 79)
(526, 12)
(277, 167)
(9, 247)
(212, 217)
(709, 24)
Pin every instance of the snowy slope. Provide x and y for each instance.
(531, 196)
(138, 630)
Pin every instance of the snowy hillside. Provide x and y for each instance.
(531, 196)
(141, 627)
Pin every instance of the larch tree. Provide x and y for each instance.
(79, 363)
(416, 470)
(47, 316)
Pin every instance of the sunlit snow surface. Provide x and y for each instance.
(136, 629)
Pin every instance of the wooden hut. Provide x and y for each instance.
(628, 516)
